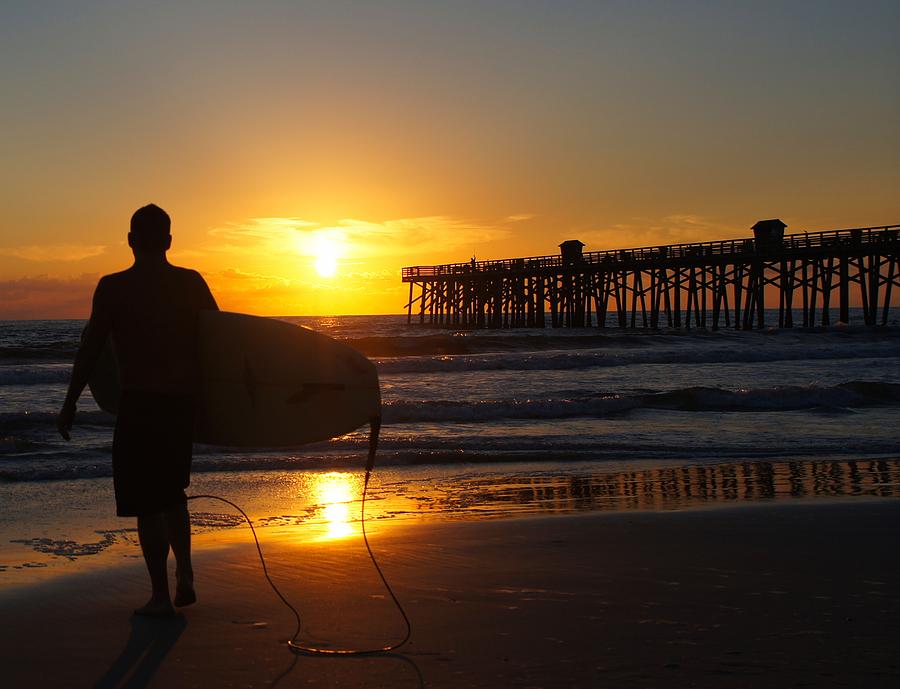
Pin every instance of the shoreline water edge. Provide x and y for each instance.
(487, 424)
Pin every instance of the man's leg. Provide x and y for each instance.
(155, 547)
(178, 530)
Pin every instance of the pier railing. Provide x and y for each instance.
(830, 239)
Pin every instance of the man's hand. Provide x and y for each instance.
(65, 419)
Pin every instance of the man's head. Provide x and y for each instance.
(150, 228)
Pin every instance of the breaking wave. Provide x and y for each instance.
(788, 398)
(691, 399)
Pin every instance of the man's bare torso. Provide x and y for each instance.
(151, 312)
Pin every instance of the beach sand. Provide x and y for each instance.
(762, 595)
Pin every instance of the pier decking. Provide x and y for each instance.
(706, 284)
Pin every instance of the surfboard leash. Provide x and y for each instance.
(293, 644)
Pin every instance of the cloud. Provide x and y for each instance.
(383, 274)
(237, 280)
(46, 297)
(353, 238)
(671, 229)
(256, 231)
(252, 292)
(53, 252)
(412, 235)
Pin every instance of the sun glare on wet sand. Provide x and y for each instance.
(335, 493)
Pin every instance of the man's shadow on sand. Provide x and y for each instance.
(147, 646)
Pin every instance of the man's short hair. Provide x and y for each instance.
(150, 228)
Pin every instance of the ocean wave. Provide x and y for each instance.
(57, 472)
(12, 445)
(691, 399)
(473, 452)
(34, 375)
(510, 341)
(551, 360)
(15, 421)
(572, 360)
(54, 351)
(702, 399)
(390, 337)
(457, 343)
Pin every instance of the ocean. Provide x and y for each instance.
(490, 424)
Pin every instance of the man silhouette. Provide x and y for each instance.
(150, 312)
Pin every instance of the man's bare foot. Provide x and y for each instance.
(156, 608)
(184, 589)
(185, 596)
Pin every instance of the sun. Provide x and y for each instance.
(326, 253)
(326, 265)
(322, 250)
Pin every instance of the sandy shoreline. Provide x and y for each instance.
(762, 595)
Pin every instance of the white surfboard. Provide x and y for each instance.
(267, 383)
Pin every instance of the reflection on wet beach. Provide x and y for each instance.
(335, 493)
(478, 496)
(327, 504)
(324, 506)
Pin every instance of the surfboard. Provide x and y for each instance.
(267, 383)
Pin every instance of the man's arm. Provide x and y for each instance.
(92, 342)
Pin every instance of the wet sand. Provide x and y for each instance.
(763, 595)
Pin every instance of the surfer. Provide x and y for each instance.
(150, 311)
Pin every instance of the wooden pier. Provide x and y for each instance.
(706, 285)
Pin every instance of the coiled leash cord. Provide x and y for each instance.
(375, 426)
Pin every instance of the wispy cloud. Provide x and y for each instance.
(254, 292)
(355, 237)
(259, 231)
(672, 229)
(411, 235)
(53, 252)
(240, 280)
(47, 297)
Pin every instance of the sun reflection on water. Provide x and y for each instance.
(336, 494)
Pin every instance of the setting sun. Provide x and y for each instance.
(326, 265)
(326, 257)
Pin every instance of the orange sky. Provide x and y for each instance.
(418, 133)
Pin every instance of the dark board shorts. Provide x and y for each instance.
(152, 451)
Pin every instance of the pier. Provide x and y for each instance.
(706, 284)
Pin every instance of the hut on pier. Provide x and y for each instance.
(571, 251)
(769, 234)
